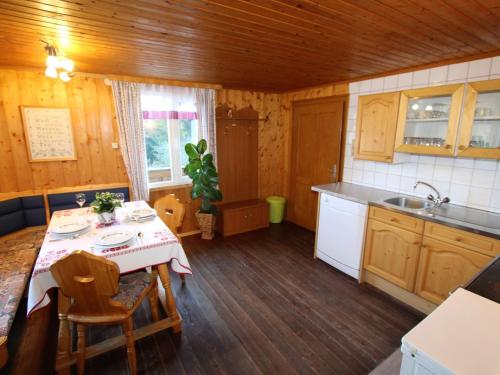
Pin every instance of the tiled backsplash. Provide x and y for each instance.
(468, 182)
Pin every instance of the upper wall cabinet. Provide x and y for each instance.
(480, 129)
(428, 120)
(376, 127)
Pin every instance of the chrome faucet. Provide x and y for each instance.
(435, 199)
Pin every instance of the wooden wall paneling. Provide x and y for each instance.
(8, 177)
(94, 124)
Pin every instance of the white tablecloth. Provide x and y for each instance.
(156, 246)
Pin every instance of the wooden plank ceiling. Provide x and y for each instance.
(273, 45)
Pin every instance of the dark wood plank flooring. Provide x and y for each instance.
(258, 303)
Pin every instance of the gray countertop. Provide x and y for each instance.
(477, 221)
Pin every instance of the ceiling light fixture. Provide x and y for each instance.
(58, 66)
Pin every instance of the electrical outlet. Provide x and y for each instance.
(115, 145)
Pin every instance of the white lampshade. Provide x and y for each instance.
(51, 72)
(52, 61)
(64, 76)
(66, 64)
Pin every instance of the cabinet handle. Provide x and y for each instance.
(447, 146)
(394, 220)
(461, 147)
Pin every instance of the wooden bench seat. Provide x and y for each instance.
(17, 257)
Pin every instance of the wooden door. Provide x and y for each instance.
(392, 253)
(443, 267)
(316, 149)
(376, 127)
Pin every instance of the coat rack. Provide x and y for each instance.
(229, 115)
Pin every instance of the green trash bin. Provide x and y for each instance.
(276, 208)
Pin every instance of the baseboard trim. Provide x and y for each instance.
(401, 294)
(191, 233)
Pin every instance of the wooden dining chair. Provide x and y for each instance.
(172, 212)
(101, 297)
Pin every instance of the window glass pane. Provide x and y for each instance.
(486, 127)
(157, 149)
(188, 134)
(427, 120)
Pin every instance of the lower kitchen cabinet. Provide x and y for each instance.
(392, 253)
(443, 267)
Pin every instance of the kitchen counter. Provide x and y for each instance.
(477, 221)
(487, 282)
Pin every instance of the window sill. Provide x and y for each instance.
(158, 186)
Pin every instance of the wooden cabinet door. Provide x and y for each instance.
(428, 120)
(392, 253)
(257, 217)
(235, 221)
(376, 126)
(480, 131)
(443, 267)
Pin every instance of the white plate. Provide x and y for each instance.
(99, 248)
(141, 213)
(71, 227)
(114, 238)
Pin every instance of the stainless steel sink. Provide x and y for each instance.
(410, 203)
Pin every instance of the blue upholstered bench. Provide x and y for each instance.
(66, 201)
(19, 213)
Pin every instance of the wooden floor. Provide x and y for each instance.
(258, 303)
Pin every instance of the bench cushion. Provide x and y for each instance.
(15, 271)
(34, 210)
(17, 258)
(66, 201)
(11, 216)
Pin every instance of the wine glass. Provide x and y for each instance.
(121, 198)
(80, 199)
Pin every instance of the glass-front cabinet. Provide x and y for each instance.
(428, 120)
(480, 128)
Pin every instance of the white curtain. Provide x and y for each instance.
(205, 106)
(128, 109)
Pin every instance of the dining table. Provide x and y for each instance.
(153, 247)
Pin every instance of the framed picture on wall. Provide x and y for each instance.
(49, 133)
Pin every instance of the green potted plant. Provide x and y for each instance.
(201, 170)
(104, 206)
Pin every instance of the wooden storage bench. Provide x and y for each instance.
(244, 216)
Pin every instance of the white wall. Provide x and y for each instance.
(470, 182)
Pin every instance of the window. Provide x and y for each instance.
(170, 122)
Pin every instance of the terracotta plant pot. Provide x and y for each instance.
(207, 225)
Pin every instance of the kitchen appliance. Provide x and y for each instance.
(341, 231)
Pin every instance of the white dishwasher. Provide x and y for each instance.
(341, 231)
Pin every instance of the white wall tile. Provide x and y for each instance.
(479, 197)
(425, 159)
(406, 185)
(404, 80)
(425, 171)
(463, 163)
(495, 199)
(347, 175)
(482, 178)
(393, 182)
(377, 85)
(495, 65)
(438, 75)
(368, 178)
(489, 165)
(365, 86)
(391, 82)
(354, 87)
(420, 78)
(458, 71)
(442, 173)
(357, 175)
(479, 68)
(444, 161)
(383, 168)
(380, 179)
(459, 194)
(395, 169)
(369, 166)
(496, 185)
(462, 176)
(410, 170)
